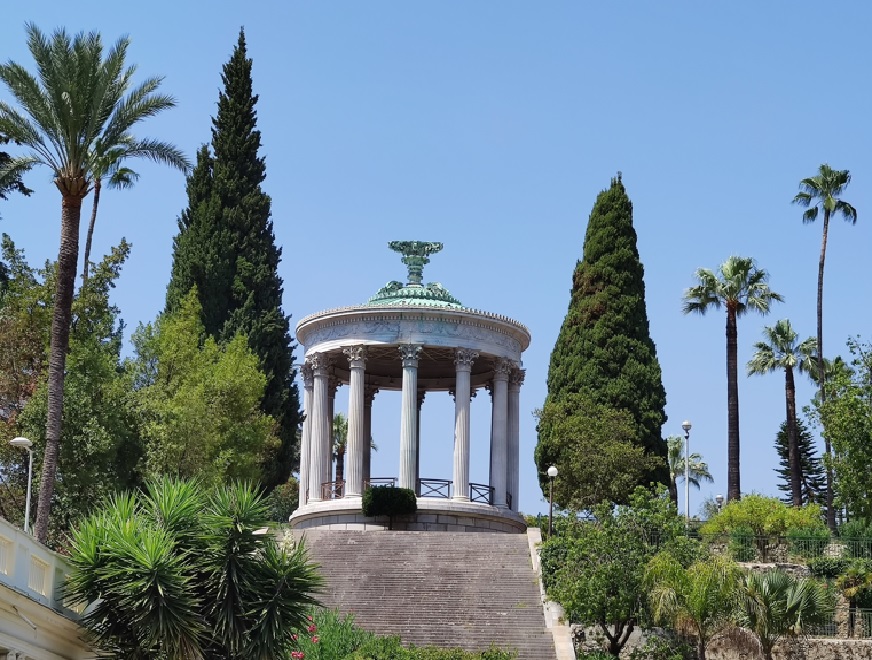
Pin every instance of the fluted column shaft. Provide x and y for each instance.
(462, 394)
(408, 416)
(421, 395)
(369, 392)
(499, 442)
(320, 433)
(306, 439)
(516, 379)
(356, 426)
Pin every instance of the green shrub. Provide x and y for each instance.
(390, 648)
(741, 545)
(596, 655)
(857, 539)
(807, 543)
(764, 516)
(389, 501)
(336, 636)
(828, 568)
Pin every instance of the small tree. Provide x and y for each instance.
(774, 604)
(180, 572)
(596, 570)
(813, 478)
(697, 469)
(699, 597)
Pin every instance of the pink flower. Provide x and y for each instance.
(315, 639)
(294, 637)
(298, 655)
(311, 629)
(310, 618)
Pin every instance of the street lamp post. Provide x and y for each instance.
(686, 426)
(552, 472)
(26, 444)
(719, 500)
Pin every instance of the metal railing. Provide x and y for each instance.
(332, 490)
(481, 493)
(434, 488)
(381, 481)
(853, 624)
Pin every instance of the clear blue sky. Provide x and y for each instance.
(492, 126)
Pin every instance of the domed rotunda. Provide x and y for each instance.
(415, 338)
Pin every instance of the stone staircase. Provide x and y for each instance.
(436, 588)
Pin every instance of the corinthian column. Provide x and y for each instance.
(499, 439)
(332, 385)
(408, 416)
(463, 359)
(356, 427)
(320, 433)
(516, 379)
(306, 440)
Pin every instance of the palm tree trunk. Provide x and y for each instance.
(90, 235)
(822, 372)
(673, 491)
(793, 460)
(60, 341)
(734, 491)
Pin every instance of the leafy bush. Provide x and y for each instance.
(741, 544)
(764, 516)
(330, 635)
(390, 648)
(807, 543)
(389, 501)
(828, 567)
(283, 501)
(596, 655)
(857, 538)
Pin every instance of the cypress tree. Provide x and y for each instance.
(226, 248)
(813, 483)
(604, 349)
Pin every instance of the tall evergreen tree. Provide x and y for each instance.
(604, 348)
(814, 483)
(226, 248)
(11, 170)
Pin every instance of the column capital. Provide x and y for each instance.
(516, 378)
(421, 395)
(320, 363)
(308, 373)
(409, 354)
(472, 394)
(356, 356)
(369, 392)
(333, 384)
(463, 359)
(502, 368)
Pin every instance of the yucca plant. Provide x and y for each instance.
(181, 572)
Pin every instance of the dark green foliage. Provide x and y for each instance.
(604, 348)
(226, 248)
(814, 480)
(828, 567)
(389, 501)
(808, 543)
(283, 501)
(10, 174)
(390, 648)
(180, 571)
(336, 636)
(741, 544)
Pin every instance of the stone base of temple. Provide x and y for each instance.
(434, 515)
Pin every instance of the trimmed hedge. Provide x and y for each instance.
(389, 501)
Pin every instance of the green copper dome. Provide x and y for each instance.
(415, 292)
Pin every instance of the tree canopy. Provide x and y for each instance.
(604, 348)
(226, 249)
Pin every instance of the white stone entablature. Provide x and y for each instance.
(494, 334)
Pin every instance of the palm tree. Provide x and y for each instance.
(76, 101)
(697, 469)
(781, 351)
(340, 443)
(699, 597)
(739, 286)
(183, 572)
(824, 192)
(773, 604)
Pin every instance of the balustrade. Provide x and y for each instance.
(434, 488)
(481, 493)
